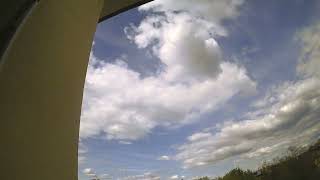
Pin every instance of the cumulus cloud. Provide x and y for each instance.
(122, 105)
(184, 33)
(195, 79)
(164, 158)
(181, 41)
(287, 116)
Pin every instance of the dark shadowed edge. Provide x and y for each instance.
(124, 9)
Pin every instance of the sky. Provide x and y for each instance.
(182, 89)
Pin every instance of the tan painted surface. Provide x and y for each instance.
(41, 83)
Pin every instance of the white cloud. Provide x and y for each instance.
(81, 159)
(174, 177)
(181, 41)
(184, 34)
(121, 105)
(199, 136)
(310, 58)
(293, 120)
(145, 176)
(89, 172)
(82, 150)
(105, 176)
(287, 116)
(164, 158)
(213, 10)
(92, 174)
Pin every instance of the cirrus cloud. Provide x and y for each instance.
(287, 116)
(293, 120)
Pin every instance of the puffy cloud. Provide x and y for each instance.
(164, 158)
(184, 33)
(122, 105)
(195, 79)
(287, 116)
(181, 40)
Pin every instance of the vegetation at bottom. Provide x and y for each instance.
(299, 164)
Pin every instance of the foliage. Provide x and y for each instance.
(299, 164)
(239, 174)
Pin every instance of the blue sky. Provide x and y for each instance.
(184, 89)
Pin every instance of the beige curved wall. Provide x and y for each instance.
(41, 82)
(42, 76)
